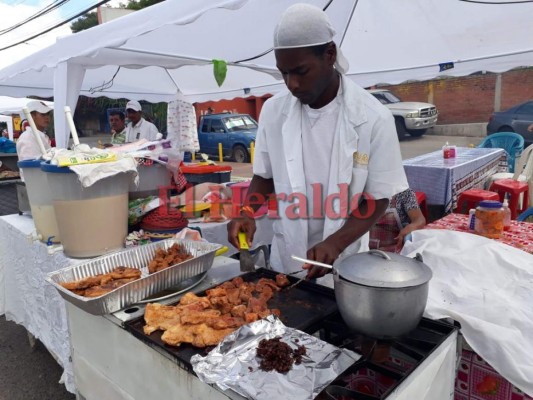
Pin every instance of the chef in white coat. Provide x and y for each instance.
(326, 148)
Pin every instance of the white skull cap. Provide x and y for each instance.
(304, 25)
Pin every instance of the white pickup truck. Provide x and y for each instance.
(411, 117)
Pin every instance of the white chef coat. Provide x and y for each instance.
(27, 147)
(366, 156)
(142, 130)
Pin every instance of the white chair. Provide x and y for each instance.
(523, 171)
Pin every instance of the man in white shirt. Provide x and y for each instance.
(326, 148)
(27, 146)
(139, 128)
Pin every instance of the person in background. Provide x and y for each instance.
(139, 128)
(401, 218)
(530, 128)
(27, 146)
(324, 133)
(117, 120)
(210, 110)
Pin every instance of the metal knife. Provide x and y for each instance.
(245, 258)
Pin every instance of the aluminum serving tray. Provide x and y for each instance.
(149, 284)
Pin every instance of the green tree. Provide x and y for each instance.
(140, 4)
(86, 21)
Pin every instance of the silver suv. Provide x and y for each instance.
(411, 117)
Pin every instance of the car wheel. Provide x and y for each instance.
(240, 154)
(505, 129)
(400, 128)
(416, 132)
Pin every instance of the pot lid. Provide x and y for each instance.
(382, 269)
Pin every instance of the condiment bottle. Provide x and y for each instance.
(452, 151)
(489, 219)
(471, 219)
(507, 215)
(446, 151)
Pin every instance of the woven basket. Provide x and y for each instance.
(164, 221)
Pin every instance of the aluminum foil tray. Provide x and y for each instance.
(149, 284)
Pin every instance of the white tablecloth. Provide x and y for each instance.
(25, 297)
(28, 300)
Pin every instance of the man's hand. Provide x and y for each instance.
(241, 224)
(325, 252)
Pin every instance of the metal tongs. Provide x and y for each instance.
(306, 261)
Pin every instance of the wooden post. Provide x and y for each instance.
(220, 153)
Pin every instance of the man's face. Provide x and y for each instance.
(306, 74)
(116, 123)
(133, 116)
(41, 120)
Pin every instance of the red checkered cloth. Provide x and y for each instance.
(382, 234)
(179, 180)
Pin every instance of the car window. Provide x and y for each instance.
(386, 97)
(205, 125)
(525, 109)
(240, 123)
(216, 126)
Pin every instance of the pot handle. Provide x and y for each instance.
(380, 253)
(418, 257)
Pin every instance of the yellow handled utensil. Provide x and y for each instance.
(245, 258)
(222, 250)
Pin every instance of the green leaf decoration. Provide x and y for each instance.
(220, 69)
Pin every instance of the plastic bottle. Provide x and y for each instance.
(471, 219)
(453, 151)
(446, 151)
(507, 215)
(489, 219)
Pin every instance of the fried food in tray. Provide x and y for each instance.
(164, 259)
(205, 320)
(98, 285)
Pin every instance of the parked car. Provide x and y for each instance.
(515, 119)
(411, 117)
(234, 131)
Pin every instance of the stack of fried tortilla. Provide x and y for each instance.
(98, 285)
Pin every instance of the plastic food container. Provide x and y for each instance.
(490, 219)
(92, 221)
(40, 197)
(206, 173)
(151, 178)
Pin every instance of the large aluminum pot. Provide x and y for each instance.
(380, 294)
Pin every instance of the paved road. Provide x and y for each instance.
(410, 147)
(27, 374)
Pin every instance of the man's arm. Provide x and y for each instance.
(260, 189)
(356, 226)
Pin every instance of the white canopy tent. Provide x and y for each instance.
(13, 105)
(164, 51)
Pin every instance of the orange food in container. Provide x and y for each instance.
(490, 219)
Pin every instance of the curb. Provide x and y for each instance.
(465, 130)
